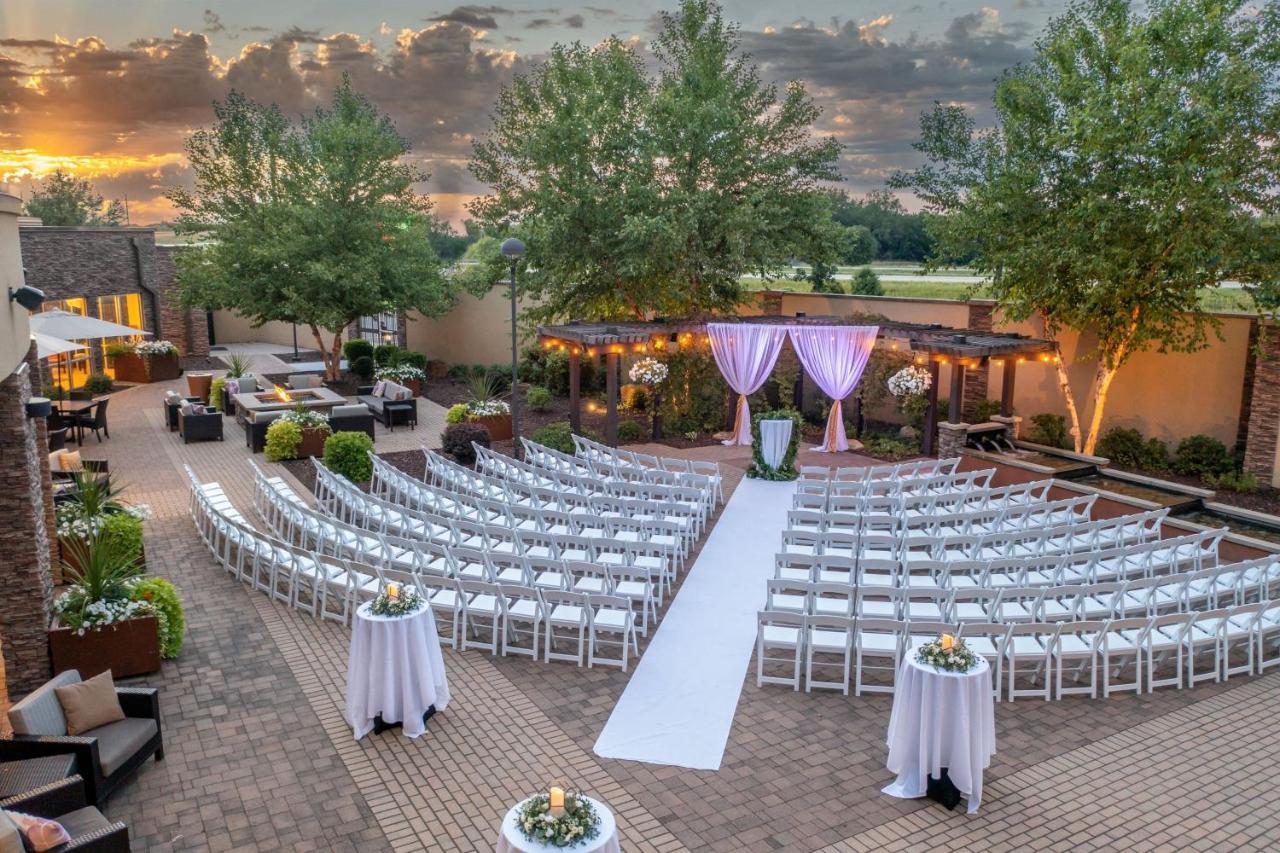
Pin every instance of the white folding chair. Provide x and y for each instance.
(828, 636)
(779, 631)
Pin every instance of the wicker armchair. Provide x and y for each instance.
(105, 756)
(64, 801)
(205, 426)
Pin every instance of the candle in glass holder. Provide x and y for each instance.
(555, 801)
(947, 643)
(393, 591)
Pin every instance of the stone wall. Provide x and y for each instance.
(25, 504)
(1263, 427)
(188, 329)
(977, 378)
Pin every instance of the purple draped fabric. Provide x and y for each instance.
(834, 356)
(745, 354)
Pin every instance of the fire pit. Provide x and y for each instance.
(282, 398)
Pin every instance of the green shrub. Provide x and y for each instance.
(170, 619)
(477, 370)
(985, 410)
(385, 354)
(1234, 481)
(1050, 430)
(634, 398)
(866, 283)
(362, 367)
(114, 349)
(557, 436)
(630, 431)
(97, 383)
(1128, 449)
(457, 440)
(458, 372)
(890, 446)
(457, 414)
(500, 377)
(538, 398)
(556, 373)
(123, 531)
(413, 359)
(532, 366)
(283, 438)
(357, 348)
(215, 390)
(1202, 456)
(347, 453)
(54, 392)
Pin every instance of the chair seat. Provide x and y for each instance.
(523, 608)
(982, 646)
(595, 585)
(781, 635)
(610, 617)
(1026, 645)
(1074, 645)
(483, 603)
(121, 740)
(788, 602)
(566, 614)
(445, 599)
(827, 641)
(82, 822)
(877, 642)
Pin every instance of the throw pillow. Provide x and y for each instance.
(379, 387)
(231, 386)
(89, 704)
(39, 833)
(55, 460)
(197, 408)
(70, 461)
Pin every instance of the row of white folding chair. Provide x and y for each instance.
(1227, 585)
(588, 449)
(929, 503)
(616, 539)
(397, 487)
(505, 467)
(933, 484)
(1066, 511)
(1045, 651)
(510, 611)
(326, 587)
(915, 468)
(548, 457)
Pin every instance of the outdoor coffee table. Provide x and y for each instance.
(18, 777)
(392, 408)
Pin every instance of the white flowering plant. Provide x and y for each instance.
(102, 570)
(402, 373)
(648, 371)
(307, 419)
(488, 408)
(150, 348)
(911, 381)
(577, 822)
(947, 653)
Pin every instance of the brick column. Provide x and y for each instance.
(976, 377)
(25, 504)
(1263, 416)
(951, 439)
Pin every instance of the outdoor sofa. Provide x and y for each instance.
(390, 402)
(64, 801)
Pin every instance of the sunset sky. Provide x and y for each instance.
(110, 89)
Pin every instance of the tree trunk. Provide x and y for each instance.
(332, 362)
(1101, 385)
(1064, 382)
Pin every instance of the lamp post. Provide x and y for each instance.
(513, 249)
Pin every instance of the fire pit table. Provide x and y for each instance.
(281, 399)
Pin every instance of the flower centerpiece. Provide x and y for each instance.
(648, 371)
(909, 385)
(396, 600)
(947, 653)
(558, 818)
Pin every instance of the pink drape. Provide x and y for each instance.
(834, 357)
(745, 354)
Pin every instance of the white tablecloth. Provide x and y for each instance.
(774, 438)
(511, 841)
(941, 719)
(395, 669)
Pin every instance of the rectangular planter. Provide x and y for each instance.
(312, 443)
(127, 648)
(131, 367)
(499, 426)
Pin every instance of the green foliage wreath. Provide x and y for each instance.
(786, 469)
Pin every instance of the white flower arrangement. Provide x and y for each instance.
(947, 653)
(150, 348)
(97, 614)
(648, 371)
(402, 373)
(910, 381)
(488, 408)
(74, 524)
(577, 820)
(307, 419)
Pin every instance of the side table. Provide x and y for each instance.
(18, 777)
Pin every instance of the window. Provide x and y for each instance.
(122, 308)
(381, 328)
(71, 369)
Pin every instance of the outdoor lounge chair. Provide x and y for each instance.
(255, 428)
(105, 756)
(64, 802)
(395, 405)
(201, 426)
(172, 402)
(301, 381)
(353, 418)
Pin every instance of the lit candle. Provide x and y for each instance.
(555, 800)
(393, 591)
(947, 642)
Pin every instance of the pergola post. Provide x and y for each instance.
(930, 411)
(611, 362)
(575, 389)
(957, 393)
(1006, 386)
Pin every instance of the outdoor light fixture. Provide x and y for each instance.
(28, 297)
(513, 249)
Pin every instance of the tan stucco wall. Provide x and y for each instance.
(231, 328)
(476, 331)
(15, 333)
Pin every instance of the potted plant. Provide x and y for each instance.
(145, 361)
(487, 407)
(411, 377)
(651, 373)
(92, 507)
(98, 624)
(304, 436)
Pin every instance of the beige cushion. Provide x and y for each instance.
(55, 460)
(89, 704)
(40, 713)
(298, 381)
(10, 838)
(396, 391)
(267, 417)
(353, 410)
(248, 384)
(121, 740)
(70, 461)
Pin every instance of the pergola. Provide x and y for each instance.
(932, 344)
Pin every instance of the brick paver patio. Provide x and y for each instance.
(259, 757)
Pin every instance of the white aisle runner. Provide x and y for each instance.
(679, 704)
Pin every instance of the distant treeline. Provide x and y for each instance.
(898, 235)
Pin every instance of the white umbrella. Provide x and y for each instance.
(47, 345)
(77, 327)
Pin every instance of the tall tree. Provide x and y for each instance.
(64, 199)
(315, 223)
(1133, 163)
(639, 196)
(898, 235)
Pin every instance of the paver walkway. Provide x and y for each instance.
(259, 758)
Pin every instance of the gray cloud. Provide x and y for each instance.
(213, 22)
(479, 17)
(574, 21)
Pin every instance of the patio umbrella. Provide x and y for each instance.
(63, 324)
(47, 345)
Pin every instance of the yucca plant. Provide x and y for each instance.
(93, 496)
(100, 570)
(236, 365)
(485, 388)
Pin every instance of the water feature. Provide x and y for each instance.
(1170, 497)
